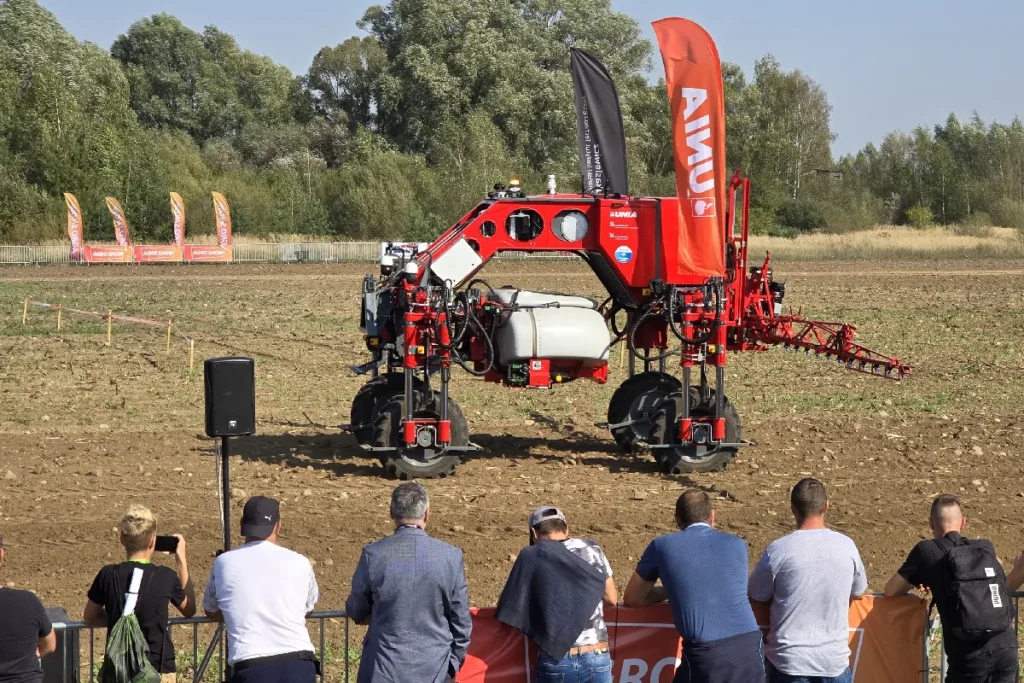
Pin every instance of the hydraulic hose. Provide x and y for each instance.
(711, 288)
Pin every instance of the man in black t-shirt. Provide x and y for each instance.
(160, 588)
(25, 635)
(987, 661)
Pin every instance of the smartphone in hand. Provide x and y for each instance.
(166, 544)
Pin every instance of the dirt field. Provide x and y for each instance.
(88, 429)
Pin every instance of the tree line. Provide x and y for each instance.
(399, 132)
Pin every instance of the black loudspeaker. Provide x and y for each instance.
(230, 396)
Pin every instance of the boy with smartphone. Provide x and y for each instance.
(160, 587)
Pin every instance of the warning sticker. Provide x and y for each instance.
(997, 601)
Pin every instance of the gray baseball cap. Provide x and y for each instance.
(544, 513)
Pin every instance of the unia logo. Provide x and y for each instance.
(76, 228)
(176, 210)
(698, 131)
(623, 214)
(222, 225)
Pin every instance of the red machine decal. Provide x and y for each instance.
(694, 75)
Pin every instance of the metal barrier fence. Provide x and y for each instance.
(251, 252)
(67, 662)
(201, 664)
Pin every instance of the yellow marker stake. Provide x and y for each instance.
(168, 337)
(24, 314)
(191, 353)
(59, 311)
(110, 322)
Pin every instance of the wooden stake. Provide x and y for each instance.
(24, 314)
(110, 322)
(59, 311)
(191, 353)
(168, 337)
(622, 355)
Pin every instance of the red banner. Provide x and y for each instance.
(886, 644)
(693, 72)
(204, 253)
(120, 222)
(160, 253)
(74, 225)
(108, 254)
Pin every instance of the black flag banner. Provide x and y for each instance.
(602, 140)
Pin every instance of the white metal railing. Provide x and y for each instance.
(257, 252)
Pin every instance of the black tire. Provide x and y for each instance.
(639, 398)
(681, 460)
(418, 462)
(368, 399)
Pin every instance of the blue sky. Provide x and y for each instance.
(885, 65)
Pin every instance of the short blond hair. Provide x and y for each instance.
(137, 528)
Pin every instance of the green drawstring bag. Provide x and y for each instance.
(127, 657)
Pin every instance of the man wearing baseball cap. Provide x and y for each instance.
(556, 594)
(263, 592)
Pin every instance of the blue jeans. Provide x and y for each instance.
(590, 667)
(776, 676)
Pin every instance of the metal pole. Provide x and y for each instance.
(323, 658)
(226, 487)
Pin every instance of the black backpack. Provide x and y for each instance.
(974, 599)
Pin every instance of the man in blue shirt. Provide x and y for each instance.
(703, 574)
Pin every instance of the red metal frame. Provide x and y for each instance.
(749, 316)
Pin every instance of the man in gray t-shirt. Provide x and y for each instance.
(809, 576)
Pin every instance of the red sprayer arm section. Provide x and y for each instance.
(764, 324)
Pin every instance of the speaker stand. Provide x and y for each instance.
(225, 476)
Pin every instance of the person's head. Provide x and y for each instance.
(410, 505)
(138, 531)
(808, 501)
(694, 507)
(548, 523)
(261, 519)
(947, 515)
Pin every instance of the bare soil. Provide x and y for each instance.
(88, 429)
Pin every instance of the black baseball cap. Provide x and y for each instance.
(259, 517)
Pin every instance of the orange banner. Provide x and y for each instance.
(693, 72)
(108, 254)
(178, 211)
(886, 644)
(222, 213)
(204, 253)
(158, 253)
(74, 225)
(120, 222)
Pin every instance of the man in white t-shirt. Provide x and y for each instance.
(809, 576)
(263, 593)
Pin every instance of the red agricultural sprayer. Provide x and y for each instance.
(675, 268)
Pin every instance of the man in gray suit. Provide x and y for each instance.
(411, 590)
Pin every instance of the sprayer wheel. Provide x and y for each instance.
(368, 399)
(418, 462)
(682, 459)
(637, 399)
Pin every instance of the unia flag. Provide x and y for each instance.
(222, 215)
(74, 225)
(120, 222)
(178, 211)
(693, 73)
